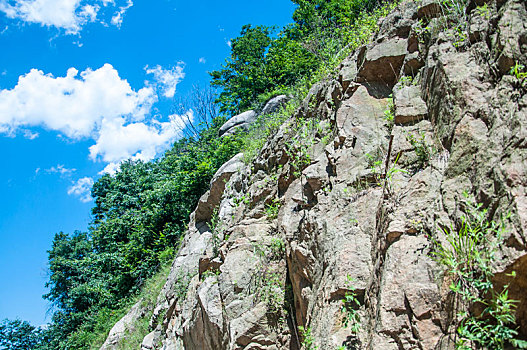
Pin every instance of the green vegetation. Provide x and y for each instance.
(518, 71)
(350, 304)
(272, 292)
(308, 340)
(265, 64)
(469, 256)
(422, 150)
(20, 335)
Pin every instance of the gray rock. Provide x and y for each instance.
(151, 339)
(274, 104)
(512, 36)
(124, 327)
(240, 121)
(210, 200)
(409, 106)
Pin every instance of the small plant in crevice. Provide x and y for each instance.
(216, 229)
(350, 304)
(181, 284)
(422, 150)
(272, 292)
(276, 249)
(391, 172)
(299, 150)
(308, 340)
(272, 208)
(209, 273)
(374, 162)
(518, 71)
(483, 11)
(468, 256)
(407, 80)
(389, 113)
(422, 31)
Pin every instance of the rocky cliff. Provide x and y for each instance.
(345, 203)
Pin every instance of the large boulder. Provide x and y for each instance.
(274, 104)
(242, 120)
(124, 327)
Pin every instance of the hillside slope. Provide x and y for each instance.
(333, 236)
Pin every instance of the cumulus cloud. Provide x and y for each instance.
(138, 141)
(97, 105)
(82, 189)
(118, 141)
(75, 105)
(167, 79)
(70, 15)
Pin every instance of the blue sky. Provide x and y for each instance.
(85, 84)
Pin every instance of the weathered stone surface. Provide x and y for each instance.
(124, 327)
(381, 63)
(210, 200)
(242, 121)
(204, 329)
(274, 104)
(409, 106)
(512, 36)
(151, 340)
(429, 9)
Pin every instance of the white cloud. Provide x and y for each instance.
(74, 105)
(94, 104)
(117, 18)
(167, 79)
(60, 169)
(202, 60)
(70, 15)
(138, 141)
(82, 189)
(28, 134)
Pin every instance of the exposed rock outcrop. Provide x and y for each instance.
(244, 120)
(356, 206)
(240, 121)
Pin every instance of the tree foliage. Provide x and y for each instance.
(19, 335)
(261, 61)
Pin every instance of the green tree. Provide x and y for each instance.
(244, 75)
(19, 335)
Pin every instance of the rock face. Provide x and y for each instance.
(355, 207)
